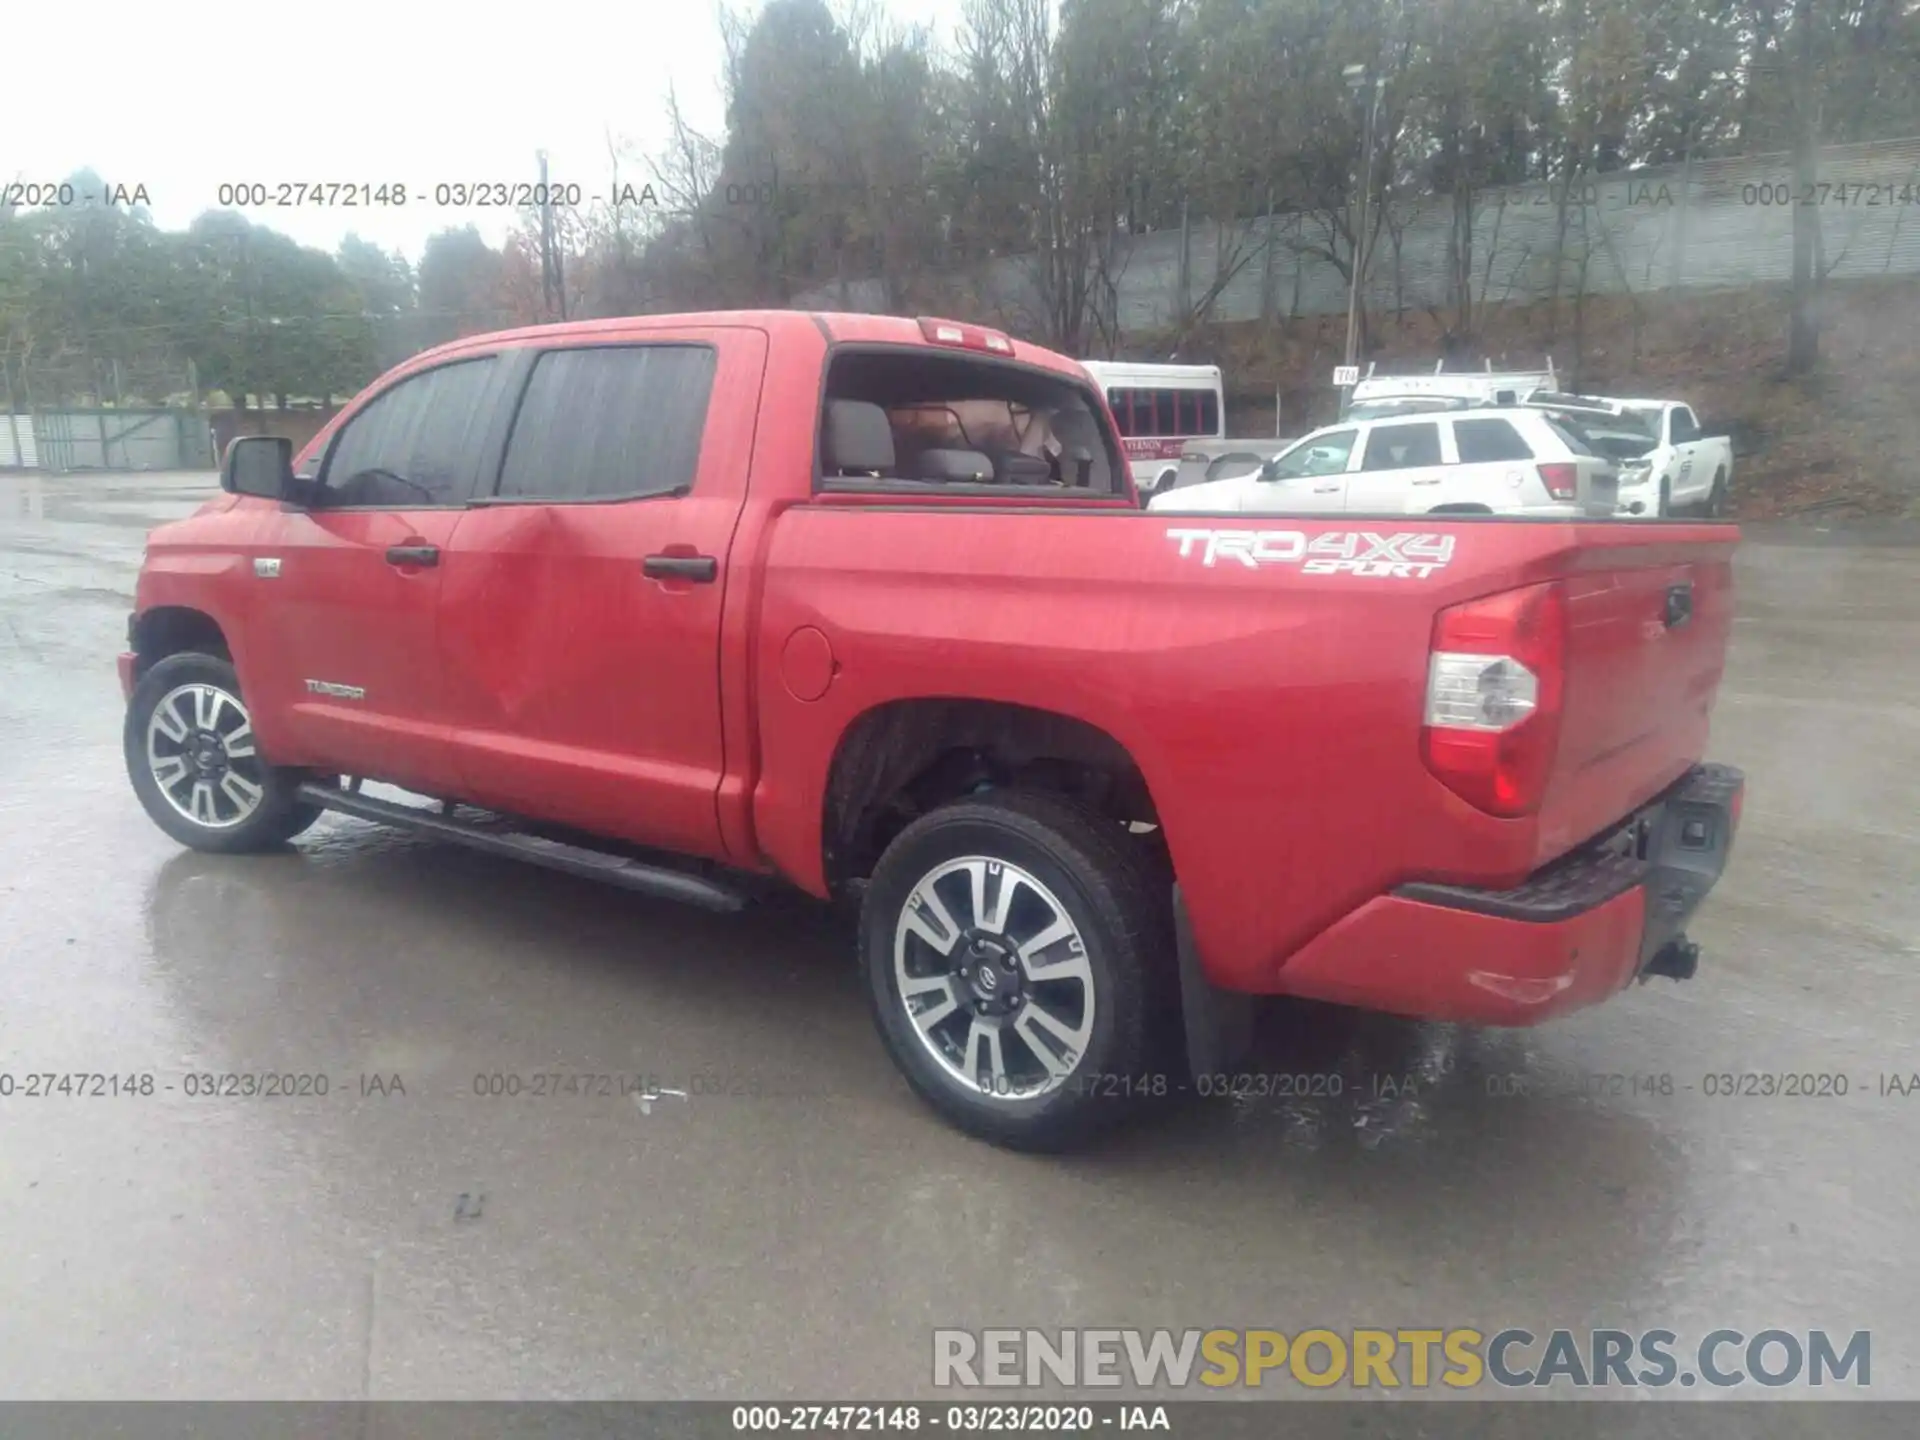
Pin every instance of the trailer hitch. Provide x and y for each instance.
(1677, 960)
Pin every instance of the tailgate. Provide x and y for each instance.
(1647, 634)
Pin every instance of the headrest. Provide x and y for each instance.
(959, 466)
(857, 439)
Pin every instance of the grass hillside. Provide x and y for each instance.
(1844, 441)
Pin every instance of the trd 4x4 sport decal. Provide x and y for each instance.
(1338, 552)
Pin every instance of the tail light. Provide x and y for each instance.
(1561, 479)
(1495, 679)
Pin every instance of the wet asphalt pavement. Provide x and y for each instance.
(804, 1242)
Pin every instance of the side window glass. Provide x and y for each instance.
(1685, 427)
(414, 445)
(1402, 447)
(610, 422)
(1484, 441)
(1324, 455)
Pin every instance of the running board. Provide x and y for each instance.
(553, 854)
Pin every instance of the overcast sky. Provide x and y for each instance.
(353, 91)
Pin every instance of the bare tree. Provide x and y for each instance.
(1803, 326)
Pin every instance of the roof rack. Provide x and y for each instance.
(1440, 368)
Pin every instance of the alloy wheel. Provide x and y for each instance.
(201, 753)
(994, 976)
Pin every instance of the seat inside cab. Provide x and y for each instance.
(907, 418)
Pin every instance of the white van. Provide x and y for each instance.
(1158, 409)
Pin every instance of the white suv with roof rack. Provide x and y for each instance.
(1506, 461)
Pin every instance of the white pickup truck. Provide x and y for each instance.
(1672, 469)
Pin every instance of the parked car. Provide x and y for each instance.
(1203, 460)
(695, 604)
(1514, 461)
(1668, 464)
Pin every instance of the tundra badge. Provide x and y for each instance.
(344, 692)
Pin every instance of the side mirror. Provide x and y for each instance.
(259, 465)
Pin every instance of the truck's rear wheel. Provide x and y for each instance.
(1717, 497)
(191, 756)
(1015, 949)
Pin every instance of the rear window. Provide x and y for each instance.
(1165, 414)
(1483, 441)
(1571, 434)
(913, 419)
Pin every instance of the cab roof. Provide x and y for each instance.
(837, 328)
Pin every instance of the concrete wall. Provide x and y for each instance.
(1716, 223)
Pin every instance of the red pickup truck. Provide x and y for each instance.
(868, 605)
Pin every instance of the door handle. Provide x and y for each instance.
(1679, 606)
(413, 554)
(1325, 489)
(701, 568)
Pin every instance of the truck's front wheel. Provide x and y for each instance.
(1013, 949)
(192, 758)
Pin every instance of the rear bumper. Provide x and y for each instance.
(1571, 935)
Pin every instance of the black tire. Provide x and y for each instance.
(276, 818)
(1665, 506)
(1717, 497)
(1116, 895)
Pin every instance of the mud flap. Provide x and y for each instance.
(1219, 1023)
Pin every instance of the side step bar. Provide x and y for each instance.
(553, 854)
